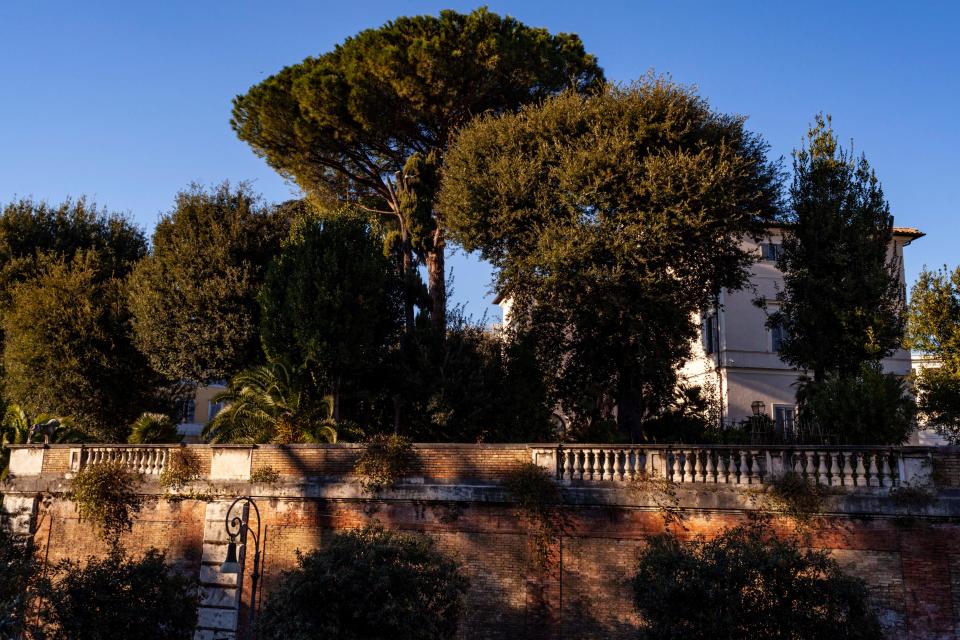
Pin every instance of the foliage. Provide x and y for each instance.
(796, 496)
(540, 501)
(657, 489)
(870, 408)
(374, 585)
(384, 461)
(154, 428)
(266, 475)
(16, 428)
(183, 466)
(842, 304)
(116, 597)
(269, 403)
(106, 495)
(330, 304)
(938, 400)
(16, 568)
(933, 326)
(747, 583)
(690, 417)
(478, 389)
(369, 121)
(68, 351)
(610, 221)
(195, 313)
(33, 232)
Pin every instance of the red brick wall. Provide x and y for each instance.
(912, 568)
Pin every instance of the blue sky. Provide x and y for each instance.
(128, 102)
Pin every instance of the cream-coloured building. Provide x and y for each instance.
(736, 359)
(198, 410)
(737, 355)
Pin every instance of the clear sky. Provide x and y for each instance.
(128, 102)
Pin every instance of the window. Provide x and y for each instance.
(783, 419)
(187, 410)
(215, 408)
(772, 251)
(777, 336)
(711, 334)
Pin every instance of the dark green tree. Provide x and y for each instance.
(933, 326)
(842, 303)
(368, 584)
(331, 305)
(195, 313)
(68, 349)
(747, 583)
(31, 230)
(610, 221)
(116, 597)
(871, 407)
(369, 122)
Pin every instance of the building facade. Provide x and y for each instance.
(737, 357)
(736, 360)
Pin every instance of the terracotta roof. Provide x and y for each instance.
(910, 232)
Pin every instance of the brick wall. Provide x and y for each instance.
(909, 556)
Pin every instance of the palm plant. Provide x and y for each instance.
(269, 403)
(154, 428)
(15, 428)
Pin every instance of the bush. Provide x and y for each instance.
(870, 408)
(116, 597)
(538, 499)
(386, 459)
(369, 584)
(16, 565)
(747, 583)
(105, 494)
(183, 466)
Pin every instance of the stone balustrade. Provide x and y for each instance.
(859, 468)
(852, 467)
(148, 460)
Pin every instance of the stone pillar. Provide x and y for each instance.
(220, 593)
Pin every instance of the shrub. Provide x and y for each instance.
(116, 597)
(266, 475)
(539, 499)
(870, 408)
(796, 496)
(369, 584)
(182, 466)
(385, 460)
(105, 494)
(747, 583)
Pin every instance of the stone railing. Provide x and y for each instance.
(862, 467)
(148, 460)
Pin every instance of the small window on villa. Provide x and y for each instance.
(710, 334)
(784, 417)
(772, 251)
(777, 336)
(215, 408)
(187, 410)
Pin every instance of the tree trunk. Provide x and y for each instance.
(630, 409)
(408, 277)
(436, 281)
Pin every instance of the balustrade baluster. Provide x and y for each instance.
(849, 470)
(885, 476)
(874, 479)
(691, 466)
(743, 477)
(698, 458)
(861, 470)
(822, 477)
(835, 479)
(723, 473)
(711, 466)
